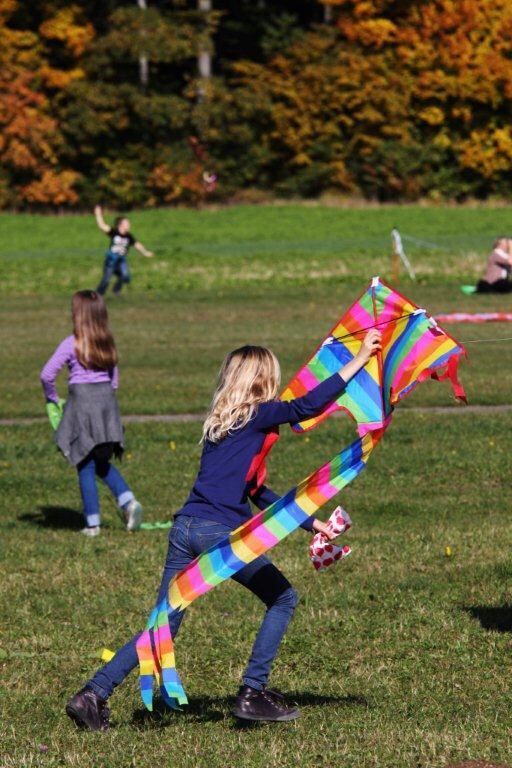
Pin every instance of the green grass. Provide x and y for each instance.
(386, 656)
(240, 245)
(171, 345)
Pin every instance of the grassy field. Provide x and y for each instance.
(171, 345)
(399, 657)
(276, 245)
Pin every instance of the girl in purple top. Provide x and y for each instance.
(243, 412)
(89, 431)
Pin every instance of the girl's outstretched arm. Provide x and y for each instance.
(100, 221)
(277, 412)
(141, 249)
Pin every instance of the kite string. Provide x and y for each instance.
(410, 314)
(488, 341)
(376, 325)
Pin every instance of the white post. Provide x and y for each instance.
(204, 58)
(399, 251)
(143, 60)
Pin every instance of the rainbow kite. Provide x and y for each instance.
(414, 348)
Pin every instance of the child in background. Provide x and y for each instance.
(116, 257)
(499, 267)
(243, 411)
(90, 431)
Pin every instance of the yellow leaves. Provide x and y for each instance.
(431, 115)
(59, 78)
(302, 159)
(487, 151)
(364, 8)
(371, 32)
(52, 188)
(341, 176)
(7, 8)
(169, 184)
(463, 113)
(165, 182)
(66, 28)
(442, 141)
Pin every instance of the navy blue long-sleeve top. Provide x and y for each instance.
(221, 491)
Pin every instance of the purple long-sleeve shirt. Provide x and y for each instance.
(65, 355)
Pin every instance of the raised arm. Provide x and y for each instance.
(100, 221)
(274, 413)
(503, 259)
(141, 249)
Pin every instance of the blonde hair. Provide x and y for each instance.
(94, 344)
(248, 376)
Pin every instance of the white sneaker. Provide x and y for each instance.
(133, 515)
(94, 530)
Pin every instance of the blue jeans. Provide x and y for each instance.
(188, 537)
(113, 479)
(114, 265)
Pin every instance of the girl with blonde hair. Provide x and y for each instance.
(243, 412)
(88, 426)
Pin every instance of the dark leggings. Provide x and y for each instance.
(500, 286)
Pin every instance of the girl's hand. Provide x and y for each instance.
(149, 254)
(97, 210)
(322, 528)
(371, 344)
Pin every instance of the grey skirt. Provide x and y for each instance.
(91, 417)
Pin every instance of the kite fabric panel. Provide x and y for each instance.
(414, 348)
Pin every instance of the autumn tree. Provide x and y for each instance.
(30, 140)
(395, 99)
(385, 98)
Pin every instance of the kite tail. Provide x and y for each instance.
(171, 688)
(147, 664)
(155, 651)
(223, 560)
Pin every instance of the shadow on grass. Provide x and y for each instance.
(54, 517)
(214, 708)
(498, 619)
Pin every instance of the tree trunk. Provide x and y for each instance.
(143, 60)
(204, 57)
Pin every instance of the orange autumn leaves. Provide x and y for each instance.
(30, 138)
(392, 99)
(426, 85)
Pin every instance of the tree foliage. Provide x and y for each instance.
(391, 99)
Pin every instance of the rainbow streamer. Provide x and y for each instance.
(414, 348)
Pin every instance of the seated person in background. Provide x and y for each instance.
(499, 266)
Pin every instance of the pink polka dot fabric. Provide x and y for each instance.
(321, 551)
